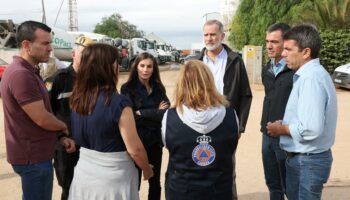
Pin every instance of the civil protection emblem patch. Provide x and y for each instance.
(203, 154)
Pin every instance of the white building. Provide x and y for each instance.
(228, 9)
(212, 15)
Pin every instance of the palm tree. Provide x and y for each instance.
(334, 14)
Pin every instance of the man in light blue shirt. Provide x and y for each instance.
(308, 129)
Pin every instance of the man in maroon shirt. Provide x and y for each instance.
(30, 127)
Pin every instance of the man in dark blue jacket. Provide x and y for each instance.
(60, 87)
(277, 79)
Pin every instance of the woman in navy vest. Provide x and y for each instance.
(103, 125)
(201, 135)
(149, 102)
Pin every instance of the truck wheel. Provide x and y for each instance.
(124, 64)
(130, 64)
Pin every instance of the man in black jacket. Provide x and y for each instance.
(277, 79)
(229, 74)
(60, 87)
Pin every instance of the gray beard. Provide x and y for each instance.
(212, 47)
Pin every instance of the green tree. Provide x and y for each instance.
(335, 49)
(332, 17)
(333, 14)
(254, 16)
(114, 26)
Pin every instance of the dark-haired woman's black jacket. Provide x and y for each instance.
(148, 124)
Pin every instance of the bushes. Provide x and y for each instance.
(335, 50)
(332, 17)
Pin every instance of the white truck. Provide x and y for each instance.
(62, 42)
(96, 37)
(152, 49)
(164, 52)
(137, 46)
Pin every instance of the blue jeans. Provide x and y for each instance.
(306, 175)
(37, 180)
(274, 159)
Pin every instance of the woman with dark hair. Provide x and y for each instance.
(149, 102)
(103, 125)
(201, 134)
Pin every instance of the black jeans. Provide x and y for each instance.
(274, 162)
(154, 154)
(64, 164)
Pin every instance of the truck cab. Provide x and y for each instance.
(152, 49)
(164, 53)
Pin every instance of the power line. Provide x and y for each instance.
(59, 10)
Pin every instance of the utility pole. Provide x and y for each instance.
(73, 15)
(44, 15)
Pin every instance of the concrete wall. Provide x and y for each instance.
(252, 57)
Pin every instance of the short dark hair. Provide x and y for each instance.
(26, 30)
(305, 36)
(283, 27)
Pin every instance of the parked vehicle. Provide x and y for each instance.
(189, 57)
(122, 45)
(3, 66)
(341, 76)
(164, 52)
(135, 47)
(176, 54)
(96, 37)
(152, 49)
(62, 42)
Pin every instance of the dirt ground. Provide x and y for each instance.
(250, 177)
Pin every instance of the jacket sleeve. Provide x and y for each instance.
(245, 98)
(154, 114)
(125, 91)
(52, 86)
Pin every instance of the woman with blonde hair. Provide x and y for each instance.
(103, 125)
(201, 135)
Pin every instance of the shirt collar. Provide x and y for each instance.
(304, 69)
(280, 63)
(307, 66)
(221, 55)
(24, 63)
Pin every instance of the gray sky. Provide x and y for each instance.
(179, 22)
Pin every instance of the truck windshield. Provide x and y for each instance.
(162, 47)
(142, 44)
(150, 45)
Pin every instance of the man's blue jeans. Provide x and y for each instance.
(274, 167)
(37, 180)
(306, 175)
